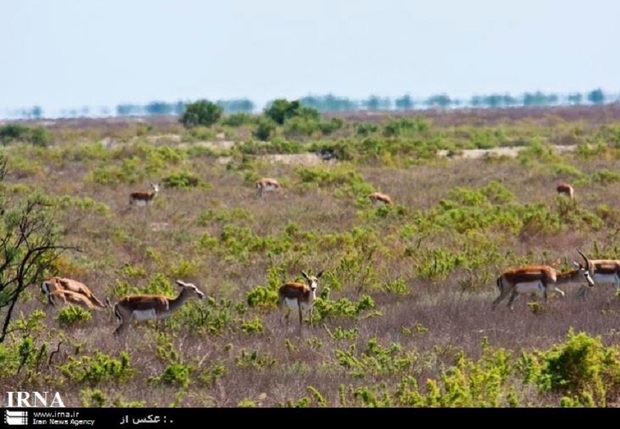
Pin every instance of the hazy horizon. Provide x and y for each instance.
(68, 54)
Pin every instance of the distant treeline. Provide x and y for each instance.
(332, 103)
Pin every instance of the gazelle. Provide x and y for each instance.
(267, 184)
(378, 197)
(603, 271)
(536, 279)
(61, 284)
(564, 188)
(143, 198)
(293, 295)
(71, 297)
(152, 307)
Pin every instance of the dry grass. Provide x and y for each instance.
(432, 318)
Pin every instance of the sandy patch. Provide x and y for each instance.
(309, 159)
(511, 152)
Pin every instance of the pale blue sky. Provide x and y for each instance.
(61, 54)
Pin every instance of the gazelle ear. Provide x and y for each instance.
(577, 264)
(318, 276)
(183, 284)
(303, 273)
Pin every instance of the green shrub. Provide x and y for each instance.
(182, 180)
(238, 119)
(175, 374)
(93, 398)
(36, 136)
(72, 315)
(366, 128)
(253, 327)
(265, 129)
(201, 112)
(581, 368)
(96, 369)
(262, 297)
(300, 127)
(281, 110)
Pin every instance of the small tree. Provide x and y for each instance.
(28, 248)
(280, 110)
(201, 112)
(596, 96)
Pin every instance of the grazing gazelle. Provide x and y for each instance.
(293, 295)
(378, 197)
(536, 279)
(603, 271)
(565, 189)
(61, 284)
(267, 184)
(143, 198)
(152, 307)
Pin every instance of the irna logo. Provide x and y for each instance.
(34, 400)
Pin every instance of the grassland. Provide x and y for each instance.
(404, 314)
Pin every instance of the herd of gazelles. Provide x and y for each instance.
(141, 307)
(531, 279)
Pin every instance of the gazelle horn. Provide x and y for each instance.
(585, 258)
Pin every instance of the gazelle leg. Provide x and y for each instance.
(284, 316)
(513, 296)
(497, 300)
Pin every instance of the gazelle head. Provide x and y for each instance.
(587, 269)
(190, 289)
(46, 287)
(313, 281)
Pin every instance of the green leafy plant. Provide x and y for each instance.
(93, 370)
(201, 112)
(72, 315)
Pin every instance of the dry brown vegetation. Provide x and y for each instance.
(426, 264)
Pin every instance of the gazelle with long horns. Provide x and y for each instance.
(538, 279)
(152, 307)
(300, 296)
(603, 271)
